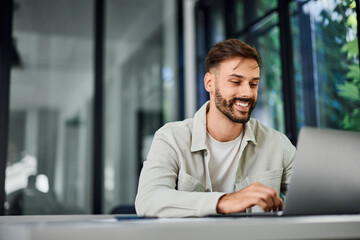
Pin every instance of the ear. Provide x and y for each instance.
(209, 82)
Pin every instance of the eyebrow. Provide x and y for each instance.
(241, 76)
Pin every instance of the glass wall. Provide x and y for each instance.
(328, 78)
(247, 12)
(49, 147)
(264, 35)
(269, 108)
(50, 144)
(324, 36)
(141, 89)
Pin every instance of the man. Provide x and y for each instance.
(221, 161)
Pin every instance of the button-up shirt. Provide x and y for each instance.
(175, 179)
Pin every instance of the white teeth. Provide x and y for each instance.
(242, 104)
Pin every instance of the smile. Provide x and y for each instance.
(242, 104)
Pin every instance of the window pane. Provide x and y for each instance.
(269, 108)
(141, 89)
(247, 12)
(217, 21)
(48, 166)
(328, 39)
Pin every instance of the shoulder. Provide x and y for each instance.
(260, 129)
(271, 139)
(175, 130)
(263, 133)
(168, 142)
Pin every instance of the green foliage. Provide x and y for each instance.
(351, 48)
(350, 89)
(352, 21)
(354, 73)
(337, 52)
(351, 121)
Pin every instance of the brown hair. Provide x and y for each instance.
(228, 49)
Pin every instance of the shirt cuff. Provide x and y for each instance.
(208, 203)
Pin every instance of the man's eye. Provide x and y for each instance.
(235, 82)
(253, 84)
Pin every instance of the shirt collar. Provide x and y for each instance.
(199, 130)
(249, 133)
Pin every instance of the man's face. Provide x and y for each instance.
(236, 88)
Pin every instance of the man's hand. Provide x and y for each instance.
(254, 194)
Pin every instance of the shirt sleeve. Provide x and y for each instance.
(288, 160)
(157, 194)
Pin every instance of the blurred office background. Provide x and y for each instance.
(84, 84)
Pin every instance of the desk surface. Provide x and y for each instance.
(107, 227)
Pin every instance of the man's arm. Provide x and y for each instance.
(157, 194)
(289, 156)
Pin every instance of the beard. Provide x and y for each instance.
(227, 107)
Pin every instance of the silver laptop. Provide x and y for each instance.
(326, 175)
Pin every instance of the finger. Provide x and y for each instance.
(265, 201)
(269, 197)
(275, 202)
(281, 205)
(262, 204)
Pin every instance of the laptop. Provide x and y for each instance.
(326, 175)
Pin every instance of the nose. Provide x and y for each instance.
(245, 91)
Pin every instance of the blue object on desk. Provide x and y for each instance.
(131, 217)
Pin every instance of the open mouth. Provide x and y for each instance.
(242, 105)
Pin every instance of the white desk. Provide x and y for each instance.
(106, 227)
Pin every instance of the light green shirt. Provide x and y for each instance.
(175, 180)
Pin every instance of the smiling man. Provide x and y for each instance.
(220, 161)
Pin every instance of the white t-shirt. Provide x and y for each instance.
(223, 163)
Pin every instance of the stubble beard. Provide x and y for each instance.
(227, 108)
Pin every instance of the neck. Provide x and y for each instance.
(221, 127)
